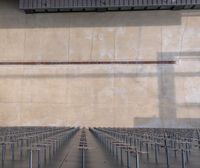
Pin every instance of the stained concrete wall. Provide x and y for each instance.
(100, 95)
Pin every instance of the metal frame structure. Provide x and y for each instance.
(34, 6)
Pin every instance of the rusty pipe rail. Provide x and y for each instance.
(84, 62)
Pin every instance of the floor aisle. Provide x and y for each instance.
(97, 157)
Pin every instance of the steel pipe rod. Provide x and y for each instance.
(84, 62)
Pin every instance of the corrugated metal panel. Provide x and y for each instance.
(84, 5)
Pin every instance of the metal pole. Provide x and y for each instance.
(183, 158)
(83, 158)
(128, 162)
(13, 151)
(167, 153)
(38, 158)
(121, 156)
(137, 160)
(3, 153)
(30, 159)
(156, 154)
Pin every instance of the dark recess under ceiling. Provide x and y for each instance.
(35, 6)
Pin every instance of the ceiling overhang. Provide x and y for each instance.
(34, 6)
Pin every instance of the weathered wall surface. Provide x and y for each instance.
(100, 95)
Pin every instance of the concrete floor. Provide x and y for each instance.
(97, 157)
(68, 156)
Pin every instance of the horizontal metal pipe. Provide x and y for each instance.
(85, 62)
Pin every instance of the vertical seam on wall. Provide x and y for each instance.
(182, 38)
(139, 42)
(115, 32)
(92, 44)
(65, 68)
(69, 37)
(113, 82)
(138, 47)
(23, 72)
(161, 41)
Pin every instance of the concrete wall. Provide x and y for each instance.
(100, 95)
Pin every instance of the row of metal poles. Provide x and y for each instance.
(129, 145)
(42, 143)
